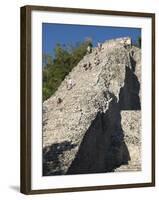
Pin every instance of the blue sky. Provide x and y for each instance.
(71, 34)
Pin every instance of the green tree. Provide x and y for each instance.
(55, 69)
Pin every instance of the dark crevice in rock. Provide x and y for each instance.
(103, 147)
(133, 63)
(129, 94)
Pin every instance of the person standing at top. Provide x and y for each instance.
(99, 46)
(89, 49)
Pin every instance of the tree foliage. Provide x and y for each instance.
(56, 68)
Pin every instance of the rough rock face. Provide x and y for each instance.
(87, 122)
(131, 124)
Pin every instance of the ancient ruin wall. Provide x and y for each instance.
(83, 133)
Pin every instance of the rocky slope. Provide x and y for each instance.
(87, 123)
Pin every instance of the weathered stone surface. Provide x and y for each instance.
(84, 132)
(131, 125)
